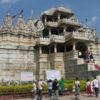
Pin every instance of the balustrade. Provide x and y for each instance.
(70, 21)
(43, 41)
(80, 35)
(51, 23)
(57, 38)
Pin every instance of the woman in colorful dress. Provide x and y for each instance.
(89, 88)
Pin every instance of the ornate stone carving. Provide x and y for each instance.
(40, 25)
(8, 21)
(21, 23)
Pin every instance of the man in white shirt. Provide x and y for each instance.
(40, 87)
(96, 86)
(34, 90)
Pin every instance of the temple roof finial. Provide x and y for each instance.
(8, 20)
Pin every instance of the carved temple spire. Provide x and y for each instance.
(8, 21)
(21, 22)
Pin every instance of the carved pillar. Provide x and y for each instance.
(64, 30)
(49, 32)
(65, 48)
(45, 19)
(49, 50)
(58, 16)
(40, 50)
(55, 48)
(74, 46)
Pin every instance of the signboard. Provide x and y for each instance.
(53, 74)
(27, 76)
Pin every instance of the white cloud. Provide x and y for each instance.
(93, 21)
(8, 1)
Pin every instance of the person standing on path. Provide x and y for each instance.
(96, 86)
(77, 88)
(40, 87)
(61, 86)
(55, 89)
(89, 88)
(50, 88)
(34, 90)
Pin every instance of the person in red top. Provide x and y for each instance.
(89, 88)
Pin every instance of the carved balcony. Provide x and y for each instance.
(69, 21)
(51, 23)
(80, 35)
(57, 38)
(44, 41)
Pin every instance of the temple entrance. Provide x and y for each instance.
(82, 50)
(80, 46)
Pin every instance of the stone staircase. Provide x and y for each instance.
(78, 67)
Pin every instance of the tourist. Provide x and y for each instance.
(55, 89)
(96, 86)
(61, 86)
(50, 88)
(77, 88)
(89, 89)
(34, 90)
(80, 54)
(91, 57)
(40, 87)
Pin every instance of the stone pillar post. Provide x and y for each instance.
(65, 48)
(49, 32)
(74, 46)
(58, 16)
(45, 19)
(64, 29)
(55, 48)
(49, 49)
(40, 50)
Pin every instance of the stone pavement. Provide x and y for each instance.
(68, 97)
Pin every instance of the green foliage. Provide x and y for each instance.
(7, 90)
(69, 85)
(25, 88)
(82, 85)
(45, 88)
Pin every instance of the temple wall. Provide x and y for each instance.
(15, 61)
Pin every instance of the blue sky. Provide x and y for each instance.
(83, 9)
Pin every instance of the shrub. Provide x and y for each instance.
(7, 90)
(23, 89)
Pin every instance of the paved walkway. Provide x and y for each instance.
(68, 97)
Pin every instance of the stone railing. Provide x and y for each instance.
(57, 38)
(51, 23)
(80, 35)
(70, 21)
(42, 40)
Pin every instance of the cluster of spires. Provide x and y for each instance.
(21, 26)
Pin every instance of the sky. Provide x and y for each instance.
(86, 11)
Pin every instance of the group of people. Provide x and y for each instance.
(54, 89)
(37, 89)
(92, 87)
(88, 56)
